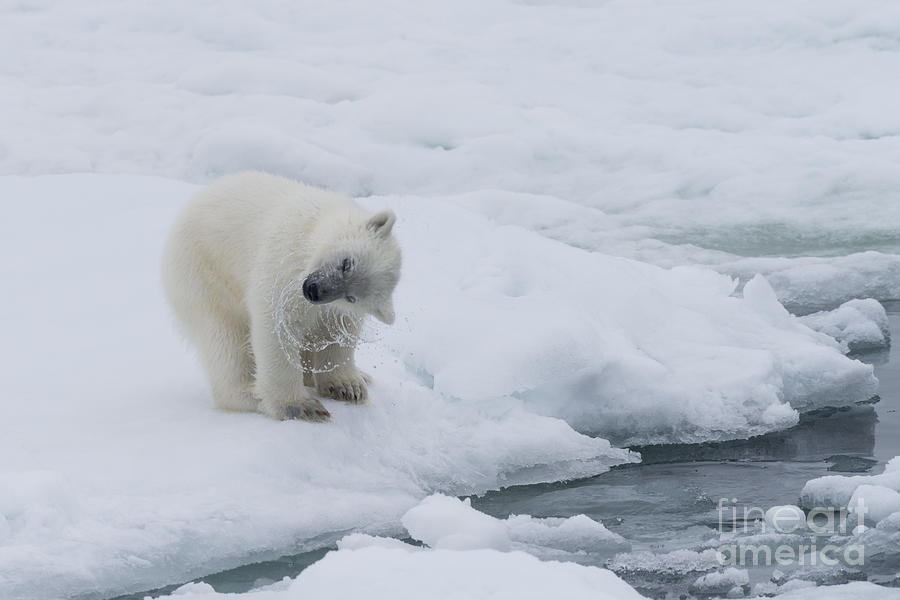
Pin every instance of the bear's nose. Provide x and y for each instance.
(310, 291)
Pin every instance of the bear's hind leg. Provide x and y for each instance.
(212, 320)
(225, 353)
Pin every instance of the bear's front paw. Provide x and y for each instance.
(308, 409)
(345, 384)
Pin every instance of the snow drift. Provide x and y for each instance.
(623, 349)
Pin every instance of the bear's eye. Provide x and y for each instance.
(346, 265)
(351, 299)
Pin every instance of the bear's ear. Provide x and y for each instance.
(385, 313)
(382, 223)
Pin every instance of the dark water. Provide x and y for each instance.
(244, 578)
(669, 501)
(887, 368)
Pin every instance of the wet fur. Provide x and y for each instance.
(233, 270)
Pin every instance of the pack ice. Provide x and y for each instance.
(877, 495)
(466, 554)
(117, 474)
(751, 137)
(525, 145)
(855, 519)
(616, 347)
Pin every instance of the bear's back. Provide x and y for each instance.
(242, 222)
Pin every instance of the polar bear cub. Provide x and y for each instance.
(271, 280)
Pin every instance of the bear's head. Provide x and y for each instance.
(357, 268)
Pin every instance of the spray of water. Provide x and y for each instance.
(299, 339)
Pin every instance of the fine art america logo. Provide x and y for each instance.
(788, 536)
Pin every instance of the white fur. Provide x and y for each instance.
(233, 270)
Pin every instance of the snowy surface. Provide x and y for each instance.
(401, 574)
(467, 554)
(786, 518)
(533, 150)
(753, 137)
(876, 502)
(451, 575)
(881, 543)
(117, 474)
(444, 522)
(113, 441)
(621, 348)
(673, 564)
(856, 324)
(837, 491)
(856, 590)
(862, 529)
(721, 583)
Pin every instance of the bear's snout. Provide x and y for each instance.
(310, 290)
(319, 289)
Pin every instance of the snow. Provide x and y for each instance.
(468, 554)
(443, 522)
(856, 324)
(381, 572)
(749, 137)
(116, 472)
(674, 563)
(786, 518)
(721, 582)
(875, 502)
(860, 528)
(112, 438)
(586, 195)
(881, 543)
(836, 491)
(682, 359)
(578, 538)
(848, 591)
